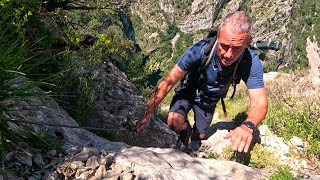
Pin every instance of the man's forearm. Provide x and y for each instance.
(256, 114)
(258, 106)
(163, 89)
(157, 98)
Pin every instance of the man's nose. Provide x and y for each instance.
(229, 53)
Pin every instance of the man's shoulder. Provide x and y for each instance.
(251, 54)
(250, 62)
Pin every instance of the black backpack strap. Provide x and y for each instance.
(207, 56)
(208, 50)
(206, 60)
(225, 114)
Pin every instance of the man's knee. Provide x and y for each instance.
(175, 121)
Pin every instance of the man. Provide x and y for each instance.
(202, 94)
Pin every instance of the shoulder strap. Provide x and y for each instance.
(209, 49)
(235, 78)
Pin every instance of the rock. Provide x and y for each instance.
(93, 162)
(9, 156)
(297, 142)
(23, 157)
(52, 153)
(38, 160)
(35, 177)
(217, 142)
(304, 164)
(264, 130)
(126, 175)
(86, 153)
(118, 107)
(81, 170)
(116, 168)
(51, 175)
(76, 165)
(87, 174)
(101, 172)
(165, 163)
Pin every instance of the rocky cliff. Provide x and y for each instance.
(272, 21)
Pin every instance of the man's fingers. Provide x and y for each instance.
(246, 148)
(235, 141)
(242, 144)
(140, 127)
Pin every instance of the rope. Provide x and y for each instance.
(67, 126)
(110, 128)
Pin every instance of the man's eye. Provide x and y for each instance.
(225, 47)
(236, 48)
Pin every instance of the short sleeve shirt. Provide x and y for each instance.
(208, 85)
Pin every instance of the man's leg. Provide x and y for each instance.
(176, 121)
(203, 117)
(178, 111)
(177, 115)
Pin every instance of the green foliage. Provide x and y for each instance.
(182, 44)
(213, 155)
(183, 6)
(262, 158)
(21, 53)
(294, 111)
(286, 122)
(257, 157)
(283, 173)
(236, 107)
(304, 23)
(109, 45)
(15, 13)
(171, 32)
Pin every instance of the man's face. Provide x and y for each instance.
(231, 45)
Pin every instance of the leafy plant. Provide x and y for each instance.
(20, 54)
(282, 173)
(257, 157)
(294, 109)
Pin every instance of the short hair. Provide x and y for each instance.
(238, 21)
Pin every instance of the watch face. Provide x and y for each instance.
(249, 124)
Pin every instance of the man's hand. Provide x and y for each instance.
(142, 124)
(241, 138)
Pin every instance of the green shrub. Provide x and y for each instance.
(294, 110)
(257, 157)
(283, 173)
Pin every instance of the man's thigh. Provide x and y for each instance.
(180, 105)
(203, 118)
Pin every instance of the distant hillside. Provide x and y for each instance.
(290, 21)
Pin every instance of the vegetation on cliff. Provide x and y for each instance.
(47, 41)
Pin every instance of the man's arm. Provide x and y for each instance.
(175, 75)
(258, 105)
(241, 136)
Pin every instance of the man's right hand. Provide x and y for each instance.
(142, 124)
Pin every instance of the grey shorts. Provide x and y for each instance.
(202, 115)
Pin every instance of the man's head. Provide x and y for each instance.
(233, 37)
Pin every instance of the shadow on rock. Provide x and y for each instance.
(230, 125)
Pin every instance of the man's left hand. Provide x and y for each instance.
(241, 138)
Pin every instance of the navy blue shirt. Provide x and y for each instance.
(203, 87)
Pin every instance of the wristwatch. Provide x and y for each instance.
(249, 124)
